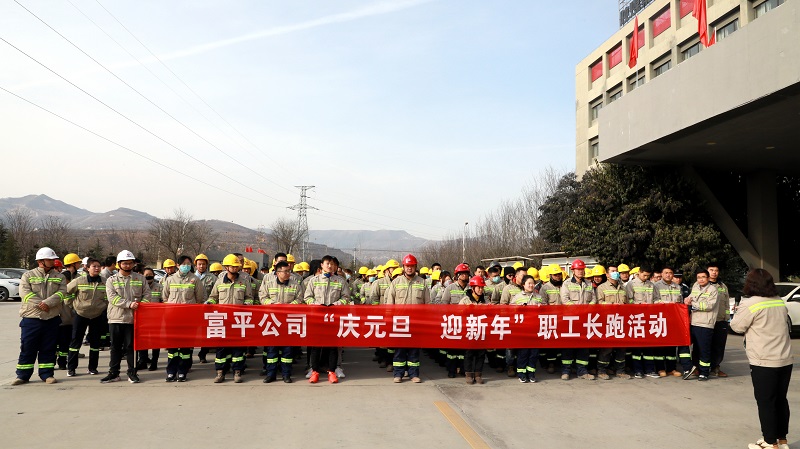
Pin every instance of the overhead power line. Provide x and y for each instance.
(201, 181)
(144, 97)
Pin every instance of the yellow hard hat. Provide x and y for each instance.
(71, 258)
(363, 270)
(305, 265)
(298, 268)
(424, 270)
(544, 274)
(168, 263)
(372, 273)
(201, 256)
(397, 272)
(517, 265)
(251, 266)
(436, 275)
(391, 263)
(533, 272)
(379, 269)
(230, 261)
(290, 258)
(622, 268)
(598, 270)
(635, 270)
(553, 268)
(216, 266)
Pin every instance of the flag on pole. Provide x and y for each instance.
(713, 39)
(248, 249)
(701, 13)
(634, 44)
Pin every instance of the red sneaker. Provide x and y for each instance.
(332, 377)
(314, 377)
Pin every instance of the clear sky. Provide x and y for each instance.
(405, 114)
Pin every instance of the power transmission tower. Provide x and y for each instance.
(302, 216)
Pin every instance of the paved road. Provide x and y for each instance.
(367, 410)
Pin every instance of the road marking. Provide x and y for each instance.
(473, 439)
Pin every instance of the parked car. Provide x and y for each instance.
(9, 288)
(160, 275)
(14, 273)
(790, 292)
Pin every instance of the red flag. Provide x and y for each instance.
(713, 39)
(634, 44)
(701, 13)
(248, 249)
(261, 251)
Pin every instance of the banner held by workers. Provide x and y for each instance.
(416, 326)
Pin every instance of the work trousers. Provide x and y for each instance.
(323, 358)
(643, 360)
(79, 326)
(406, 359)
(770, 386)
(578, 356)
(62, 344)
(670, 360)
(143, 358)
(228, 358)
(179, 360)
(286, 359)
(718, 342)
(685, 358)
(121, 345)
(604, 359)
(455, 360)
(702, 338)
(37, 340)
(526, 363)
(473, 360)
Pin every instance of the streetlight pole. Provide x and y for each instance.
(464, 243)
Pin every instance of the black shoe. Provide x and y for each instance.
(110, 378)
(171, 378)
(153, 367)
(93, 372)
(263, 372)
(181, 377)
(71, 373)
(133, 378)
(269, 379)
(287, 380)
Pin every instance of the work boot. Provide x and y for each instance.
(416, 380)
(662, 373)
(19, 381)
(603, 376)
(50, 380)
(623, 375)
(587, 376)
(565, 376)
(512, 371)
(478, 378)
(469, 378)
(237, 377)
(397, 380)
(220, 377)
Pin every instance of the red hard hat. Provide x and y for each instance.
(578, 264)
(409, 260)
(58, 263)
(461, 268)
(477, 281)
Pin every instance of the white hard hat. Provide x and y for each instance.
(46, 253)
(85, 260)
(125, 255)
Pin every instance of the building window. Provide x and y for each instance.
(615, 56)
(766, 6)
(636, 80)
(615, 96)
(594, 150)
(661, 68)
(687, 6)
(597, 70)
(641, 36)
(690, 51)
(594, 109)
(727, 30)
(661, 22)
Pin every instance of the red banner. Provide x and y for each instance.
(416, 326)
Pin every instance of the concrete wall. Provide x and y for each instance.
(682, 32)
(753, 62)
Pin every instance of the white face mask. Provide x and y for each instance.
(447, 282)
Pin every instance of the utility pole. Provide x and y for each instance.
(464, 243)
(302, 216)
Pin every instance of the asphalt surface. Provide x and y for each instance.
(367, 410)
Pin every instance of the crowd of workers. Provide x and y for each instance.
(61, 301)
